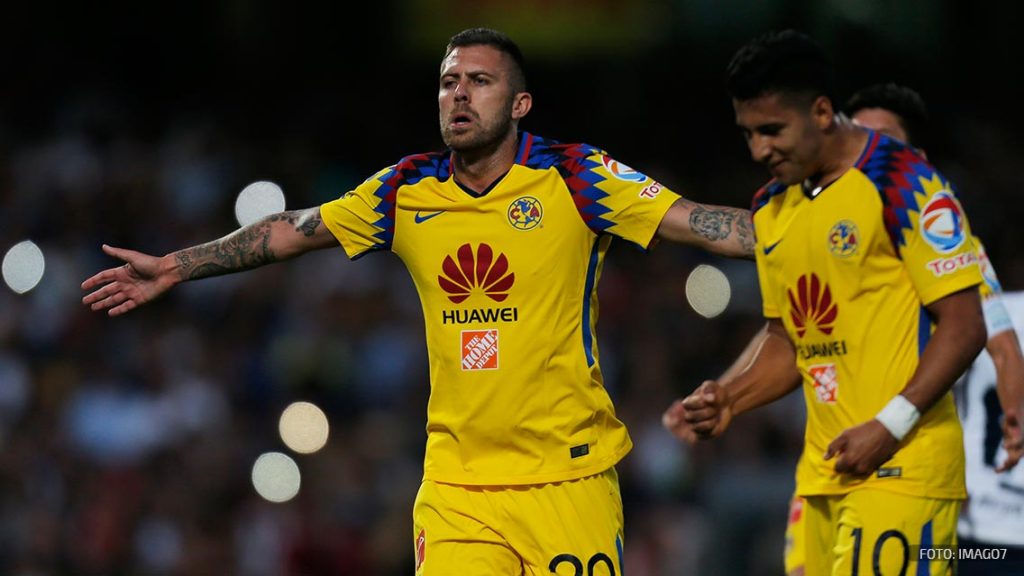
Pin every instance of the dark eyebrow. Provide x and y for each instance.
(769, 127)
(471, 74)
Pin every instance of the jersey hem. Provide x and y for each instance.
(546, 478)
(885, 487)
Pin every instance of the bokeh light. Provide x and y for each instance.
(23, 266)
(258, 200)
(708, 290)
(303, 427)
(276, 477)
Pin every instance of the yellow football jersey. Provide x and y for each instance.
(507, 280)
(849, 270)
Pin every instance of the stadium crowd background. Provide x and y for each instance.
(126, 444)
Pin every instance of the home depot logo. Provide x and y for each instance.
(480, 270)
(480, 350)
(825, 379)
(812, 303)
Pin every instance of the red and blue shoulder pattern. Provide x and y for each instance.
(898, 171)
(765, 194)
(574, 163)
(408, 171)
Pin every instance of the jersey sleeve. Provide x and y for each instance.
(769, 305)
(363, 220)
(615, 199)
(936, 246)
(997, 318)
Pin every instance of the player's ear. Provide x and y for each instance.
(521, 104)
(822, 112)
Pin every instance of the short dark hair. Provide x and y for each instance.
(787, 63)
(495, 39)
(902, 101)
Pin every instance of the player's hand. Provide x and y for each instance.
(704, 414)
(118, 290)
(1013, 439)
(862, 449)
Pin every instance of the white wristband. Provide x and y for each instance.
(898, 416)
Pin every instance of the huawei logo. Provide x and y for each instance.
(476, 270)
(812, 303)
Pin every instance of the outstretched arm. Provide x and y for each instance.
(765, 372)
(143, 277)
(720, 229)
(1009, 362)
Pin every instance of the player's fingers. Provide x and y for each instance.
(101, 293)
(673, 415)
(100, 278)
(709, 391)
(127, 306)
(695, 401)
(843, 463)
(837, 446)
(1013, 433)
(705, 428)
(684, 433)
(1012, 459)
(110, 301)
(120, 253)
(701, 415)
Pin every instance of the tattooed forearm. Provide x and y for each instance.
(745, 232)
(711, 224)
(305, 221)
(720, 223)
(277, 237)
(310, 223)
(247, 248)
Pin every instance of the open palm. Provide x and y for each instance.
(118, 290)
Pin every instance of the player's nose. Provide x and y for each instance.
(760, 149)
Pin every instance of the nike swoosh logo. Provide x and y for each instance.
(768, 249)
(421, 218)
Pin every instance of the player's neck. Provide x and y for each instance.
(843, 146)
(478, 169)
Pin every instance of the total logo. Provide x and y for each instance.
(943, 266)
(623, 172)
(811, 304)
(942, 222)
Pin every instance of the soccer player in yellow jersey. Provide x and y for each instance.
(899, 112)
(504, 234)
(869, 281)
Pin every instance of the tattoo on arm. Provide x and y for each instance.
(718, 223)
(310, 224)
(247, 248)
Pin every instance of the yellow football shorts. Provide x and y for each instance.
(571, 528)
(870, 531)
(794, 553)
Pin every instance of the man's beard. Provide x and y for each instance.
(481, 138)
